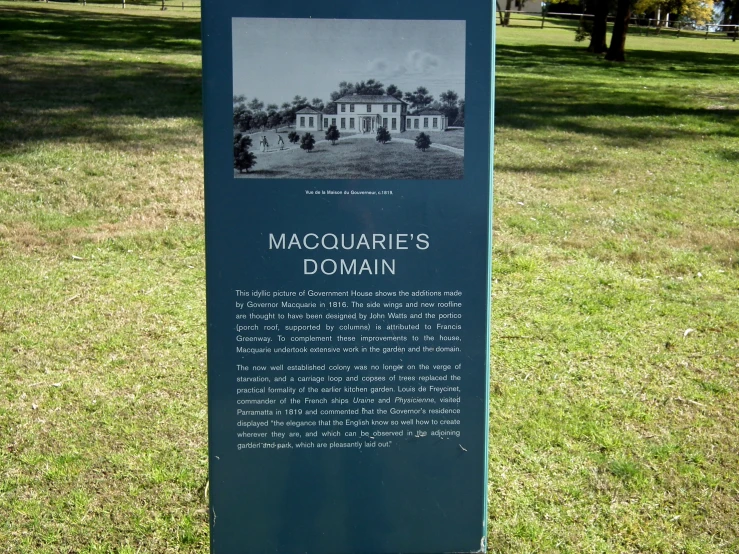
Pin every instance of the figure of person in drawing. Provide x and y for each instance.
(264, 143)
(280, 142)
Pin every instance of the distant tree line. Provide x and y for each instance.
(250, 115)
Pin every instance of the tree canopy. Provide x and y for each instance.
(699, 11)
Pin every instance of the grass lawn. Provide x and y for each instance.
(614, 397)
(354, 158)
(614, 416)
(102, 346)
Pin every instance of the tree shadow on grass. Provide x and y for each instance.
(87, 101)
(38, 31)
(579, 100)
(570, 168)
(63, 96)
(541, 59)
(729, 155)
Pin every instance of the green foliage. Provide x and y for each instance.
(423, 141)
(307, 142)
(293, 137)
(332, 134)
(697, 11)
(383, 135)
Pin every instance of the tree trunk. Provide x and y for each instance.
(600, 25)
(616, 52)
(732, 18)
(507, 16)
(500, 12)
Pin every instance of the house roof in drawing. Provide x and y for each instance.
(308, 109)
(369, 99)
(428, 111)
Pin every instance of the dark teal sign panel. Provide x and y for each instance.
(348, 205)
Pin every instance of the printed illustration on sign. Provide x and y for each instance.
(348, 99)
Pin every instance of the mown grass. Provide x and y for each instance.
(615, 336)
(613, 416)
(98, 6)
(102, 410)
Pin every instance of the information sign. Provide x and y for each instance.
(348, 190)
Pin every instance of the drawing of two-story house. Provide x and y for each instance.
(365, 113)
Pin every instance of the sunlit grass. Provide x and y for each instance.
(615, 347)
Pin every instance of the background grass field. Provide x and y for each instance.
(614, 406)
